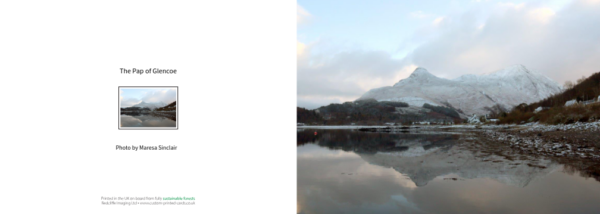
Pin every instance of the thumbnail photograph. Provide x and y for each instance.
(148, 107)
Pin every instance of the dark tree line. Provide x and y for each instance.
(442, 110)
(586, 89)
(371, 112)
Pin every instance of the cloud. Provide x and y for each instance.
(592, 2)
(300, 48)
(563, 44)
(329, 75)
(302, 15)
(136, 96)
(438, 20)
(419, 15)
(164, 95)
(543, 15)
(511, 5)
(128, 102)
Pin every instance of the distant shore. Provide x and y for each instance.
(461, 126)
(577, 140)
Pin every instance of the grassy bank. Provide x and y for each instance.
(555, 115)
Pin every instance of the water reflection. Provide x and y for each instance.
(344, 171)
(146, 120)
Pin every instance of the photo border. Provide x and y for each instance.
(147, 128)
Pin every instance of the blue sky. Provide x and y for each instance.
(348, 47)
(132, 96)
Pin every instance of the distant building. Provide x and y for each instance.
(473, 119)
(571, 102)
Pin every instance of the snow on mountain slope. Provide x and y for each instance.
(150, 105)
(423, 165)
(470, 93)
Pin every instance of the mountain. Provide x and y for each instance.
(473, 94)
(150, 105)
(172, 107)
(423, 164)
(425, 156)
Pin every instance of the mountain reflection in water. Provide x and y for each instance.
(146, 120)
(347, 171)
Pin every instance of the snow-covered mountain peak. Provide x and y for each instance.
(473, 94)
(421, 73)
(150, 105)
(510, 71)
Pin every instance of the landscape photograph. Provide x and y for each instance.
(148, 107)
(474, 106)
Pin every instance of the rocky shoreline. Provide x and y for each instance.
(578, 140)
(572, 141)
(577, 145)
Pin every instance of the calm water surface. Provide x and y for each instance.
(347, 171)
(146, 120)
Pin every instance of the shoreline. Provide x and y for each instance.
(485, 126)
(577, 140)
(574, 141)
(576, 145)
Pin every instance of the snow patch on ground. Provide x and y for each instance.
(578, 126)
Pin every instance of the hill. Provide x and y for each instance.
(373, 112)
(472, 94)
(553, 109)
(171, 107)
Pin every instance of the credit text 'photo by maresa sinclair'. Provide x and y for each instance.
(148, 107)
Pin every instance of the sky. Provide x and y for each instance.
(131, 96)
(345, 48)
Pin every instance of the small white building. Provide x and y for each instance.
(571, 102)
(473, 119)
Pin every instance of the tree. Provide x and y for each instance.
(568, 84)
(580, 80)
